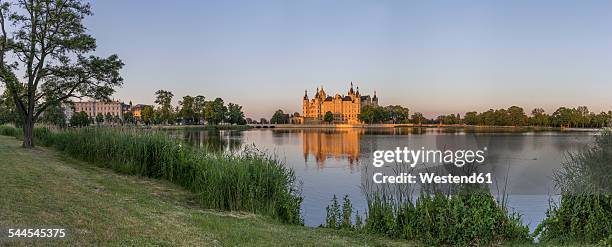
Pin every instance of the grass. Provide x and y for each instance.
(42, 187)
(465, 219)
(250, 181)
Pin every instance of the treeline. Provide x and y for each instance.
(579, 117)
(191, 110)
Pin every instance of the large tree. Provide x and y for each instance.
(215, 111)
(198, 107)
(44, 49)
(279, 117)
(235, 114)
(187, 112)
(163, 98)
(147, 114)
(397, 113)
(328, 117)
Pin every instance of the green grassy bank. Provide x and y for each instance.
(42, 187)
(250, 181)
(45, 187)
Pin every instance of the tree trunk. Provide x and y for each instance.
(28, 133)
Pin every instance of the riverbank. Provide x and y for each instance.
(200, 127)
(42, 187)
(391, 126)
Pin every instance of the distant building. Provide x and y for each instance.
(346, 109)
(93, 108)
(137, 111)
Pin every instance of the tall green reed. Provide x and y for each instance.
(584, 212)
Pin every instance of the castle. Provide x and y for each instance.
(345, 109)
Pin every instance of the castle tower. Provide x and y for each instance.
(322, 94)
(305, 104)
(375, 99)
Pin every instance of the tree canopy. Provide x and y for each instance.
(46, 51)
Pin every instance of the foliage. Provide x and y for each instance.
(577, 219)
(128, 118)
(339, 217)
(235, 114)
(215, 111)
(48, 43)
(373, 114)
(9, 131)
(279, 117)
(8, 109)
(584, 213)
(54, 115)
(147, 114)
(187, 111)
(397, 113)
(418, 118)
(80, 119)
(449, 119)
(470, 118)
(99, 118)
(199, 102)
(163, 99)
(333, 214)
(579, 117)
(462, 219)
(328, 117)
(108, 118)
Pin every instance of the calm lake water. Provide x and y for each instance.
(339, 162)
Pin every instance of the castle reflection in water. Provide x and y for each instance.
(350, 144)
(337, 144)
(347, 145)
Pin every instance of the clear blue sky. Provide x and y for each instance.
(435, 57)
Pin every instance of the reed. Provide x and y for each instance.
(584, 213)
(467, 219)
(458, 220)
(249, 180)
(9, 131)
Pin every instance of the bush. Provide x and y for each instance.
(463, 219)
(584, 213)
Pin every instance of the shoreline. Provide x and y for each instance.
(389, 126)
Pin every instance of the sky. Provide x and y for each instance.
(434, 57)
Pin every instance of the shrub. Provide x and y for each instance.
(463, 219)
(584, 213)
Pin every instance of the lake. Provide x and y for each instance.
(339, 161)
